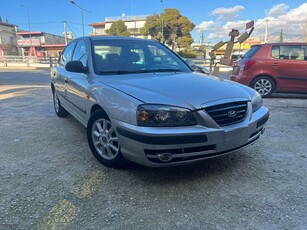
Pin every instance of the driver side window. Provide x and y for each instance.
(80, 53)
(67, 54)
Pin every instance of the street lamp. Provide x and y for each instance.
(31, 48)
(73, 2)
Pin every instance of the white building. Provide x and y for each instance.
(134, 25)
(8, 41)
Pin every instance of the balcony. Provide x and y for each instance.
(27, 42)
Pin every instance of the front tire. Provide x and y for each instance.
(58, 108)
(103, 140)
(264, 85)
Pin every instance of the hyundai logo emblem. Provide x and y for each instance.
(232, 113)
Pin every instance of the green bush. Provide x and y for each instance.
(187, 54)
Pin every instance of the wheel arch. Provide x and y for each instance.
(96, 107)
(52, 88)
(263, 75)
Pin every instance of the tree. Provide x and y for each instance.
(185, 42)
(152, 27)
(118, 28)
(174, 26)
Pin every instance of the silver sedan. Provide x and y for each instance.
(141, 102)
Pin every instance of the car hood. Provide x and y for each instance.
(189, 90)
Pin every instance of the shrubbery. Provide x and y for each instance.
(187, 54)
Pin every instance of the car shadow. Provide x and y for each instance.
(178, 174)
(289, 95)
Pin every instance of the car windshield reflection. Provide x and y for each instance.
(118, 57)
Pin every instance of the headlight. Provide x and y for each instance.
(164, 116)
(256, 102)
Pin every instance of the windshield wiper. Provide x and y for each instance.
(139, 71)
(117, 72)
(162, 70)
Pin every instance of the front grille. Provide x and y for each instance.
(229, 113)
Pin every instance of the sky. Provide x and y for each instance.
(212, 18)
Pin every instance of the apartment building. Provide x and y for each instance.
(40, 44)
(133, 23)
(8, 42)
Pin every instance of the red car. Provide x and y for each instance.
(276, 67)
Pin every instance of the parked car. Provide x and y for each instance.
(141, 102)
(235, 56)
(276, 67)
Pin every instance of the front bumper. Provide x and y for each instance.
(158, 147)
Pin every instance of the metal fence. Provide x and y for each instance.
(27, 61)
(48, 62)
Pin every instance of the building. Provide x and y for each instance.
(40, 44)
(134, 25)
(99, 28)
(8, 41)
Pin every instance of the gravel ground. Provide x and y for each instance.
(50, 180)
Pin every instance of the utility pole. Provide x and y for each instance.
(29, 25)
(162, 23)
(266, 31)
(281, 36)
(65, 32)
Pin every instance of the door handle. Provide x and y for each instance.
(275, 64)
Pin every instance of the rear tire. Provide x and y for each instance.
(264, 85)
(103, 140)
(59, 110)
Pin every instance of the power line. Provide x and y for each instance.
(71, 30)
(39, 23)
(75, 23)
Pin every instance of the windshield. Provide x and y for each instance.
(134, 56)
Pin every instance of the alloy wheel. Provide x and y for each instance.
(263, 87)
(104, 139)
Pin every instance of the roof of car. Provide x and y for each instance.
(286, 43)
(95, 38)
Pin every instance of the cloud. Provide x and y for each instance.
(277, 10)
(296, 14)
(221, 32)
(205, 25)
(291, 20)
(293, 23)
(227, 13)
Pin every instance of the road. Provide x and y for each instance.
(50, 180)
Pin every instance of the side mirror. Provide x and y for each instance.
(76, 67)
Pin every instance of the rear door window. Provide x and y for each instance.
(289, 52)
